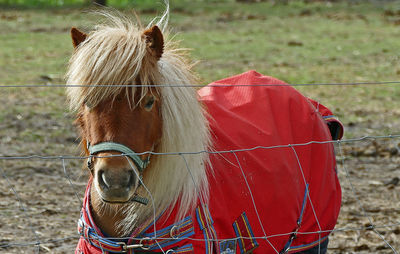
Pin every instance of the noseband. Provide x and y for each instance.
(125, 151)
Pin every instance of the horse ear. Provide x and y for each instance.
(154, 41)
(77, 36)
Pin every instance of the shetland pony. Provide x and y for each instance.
(175, 170)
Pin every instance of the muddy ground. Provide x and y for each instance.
(39, 204)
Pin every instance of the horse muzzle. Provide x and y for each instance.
(116, 177)
(116, 187)
(114, 184)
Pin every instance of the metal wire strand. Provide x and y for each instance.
(152, 203)
(254, 203)
(353, 190)
(308, 197)
(69, 157)
(202, 201)
(70, 182)
(372, 226)
(24, 209)
(202, 85)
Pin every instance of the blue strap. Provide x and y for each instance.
(184, 229)
(91, 236)
(112, 146)
(294, 234)
(303, 206)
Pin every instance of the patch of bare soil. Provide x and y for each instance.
(369, 172)
(38, 203)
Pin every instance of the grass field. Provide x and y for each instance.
(298, 43)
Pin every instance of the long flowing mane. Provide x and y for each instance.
(113, 55)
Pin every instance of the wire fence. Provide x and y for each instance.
(202, 85)
(30, 216)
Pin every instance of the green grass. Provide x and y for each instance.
(65, 3)
(298, 43)
(139, 4)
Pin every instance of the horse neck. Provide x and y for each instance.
(105, 218)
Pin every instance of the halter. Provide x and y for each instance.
(125, 151)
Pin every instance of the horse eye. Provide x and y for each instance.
(149, 104)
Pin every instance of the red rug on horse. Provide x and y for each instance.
(272, 189)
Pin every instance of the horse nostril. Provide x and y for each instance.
(116, 179)
(101, 179)
(132, 178)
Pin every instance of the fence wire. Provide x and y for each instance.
(39, 241)
(69, 157)
(370, 227)
(375, 83)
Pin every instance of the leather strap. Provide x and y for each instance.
(112, 146)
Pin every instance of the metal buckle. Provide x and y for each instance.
(174, 232)
(80, 227)
(292, 237)
(286, 250)
(126, 247)
(294, 234)
(144, 247)
(123, 247)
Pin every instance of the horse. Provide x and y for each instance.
(237, 166)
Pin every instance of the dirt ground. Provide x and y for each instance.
(39, 204)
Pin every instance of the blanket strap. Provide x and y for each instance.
(168, 236)
(104, 244)
(294, 233)
(246, 240)
(206, 225)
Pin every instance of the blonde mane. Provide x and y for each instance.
(115, 54)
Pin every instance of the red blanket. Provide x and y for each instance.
(263, 199)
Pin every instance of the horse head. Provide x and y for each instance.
(125, 122)
(119, 79)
